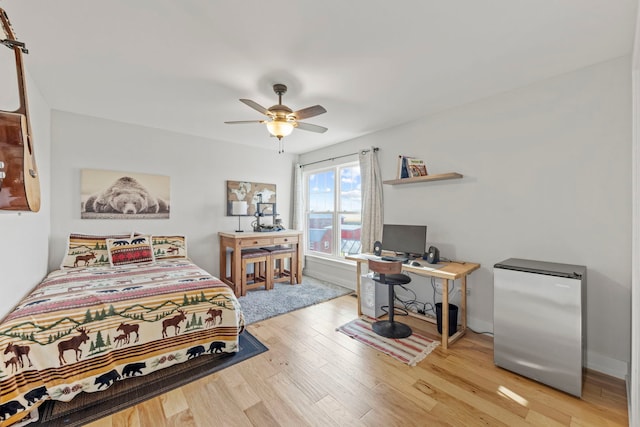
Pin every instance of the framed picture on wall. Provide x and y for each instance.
(250, 192)
(123, 195)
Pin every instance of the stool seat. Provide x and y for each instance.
(393, 279)
(252, 253)
(389, 273)
(279, 249)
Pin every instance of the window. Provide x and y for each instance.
(333, 203)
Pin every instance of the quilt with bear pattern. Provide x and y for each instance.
(80, 330)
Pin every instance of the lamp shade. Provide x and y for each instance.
(239, 207)
(280, 128)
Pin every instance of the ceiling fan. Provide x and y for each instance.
(283, 119)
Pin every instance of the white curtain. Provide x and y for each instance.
(298, 203)
(372, 201)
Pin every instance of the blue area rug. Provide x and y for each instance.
(259, 304)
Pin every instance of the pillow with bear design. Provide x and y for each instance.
(135, 250)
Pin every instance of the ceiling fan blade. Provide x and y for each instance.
(238, 122)
(255, 106)
(305, 113)
(312, 128)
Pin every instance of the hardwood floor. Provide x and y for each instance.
(313, 375)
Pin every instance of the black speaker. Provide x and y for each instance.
(432, 256)
(377, 248)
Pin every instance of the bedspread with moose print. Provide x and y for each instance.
(81, 330)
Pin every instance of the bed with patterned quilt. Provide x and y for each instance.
(112, 311)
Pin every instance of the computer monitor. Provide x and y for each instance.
(404, 239)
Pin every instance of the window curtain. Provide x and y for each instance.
(298, 204)
(372, 201)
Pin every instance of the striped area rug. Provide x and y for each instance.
(410, 350)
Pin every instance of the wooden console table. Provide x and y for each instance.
(451, 271)
(242, 240)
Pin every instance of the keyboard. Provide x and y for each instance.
(395, 258)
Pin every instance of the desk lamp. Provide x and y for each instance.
(239, 208)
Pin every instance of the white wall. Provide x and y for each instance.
(547, 176)
(24, 236)
(198, 169)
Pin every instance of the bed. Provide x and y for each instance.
(92, 323)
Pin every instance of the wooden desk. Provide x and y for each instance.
(241, 240)
(451, 271)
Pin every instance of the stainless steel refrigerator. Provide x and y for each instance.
(538, 318)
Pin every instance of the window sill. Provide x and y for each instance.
(330, 260)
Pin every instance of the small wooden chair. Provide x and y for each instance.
(279, 255)
(262, 270)
(389, 273)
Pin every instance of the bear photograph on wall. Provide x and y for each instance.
(121, 195)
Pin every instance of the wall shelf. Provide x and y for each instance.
(435, 177)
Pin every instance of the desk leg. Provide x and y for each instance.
(463, 302)
(445, 313)
(236, 274)
(223, 260)
(358, 274)
(293, 268)
(299, 262)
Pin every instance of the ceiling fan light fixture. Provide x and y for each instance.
(280, 128)
(283, 119)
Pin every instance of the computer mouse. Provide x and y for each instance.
(415, 264)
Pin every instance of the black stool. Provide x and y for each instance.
(389, 273)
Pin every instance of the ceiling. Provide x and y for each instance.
(183, 65)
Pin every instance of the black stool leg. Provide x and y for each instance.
(390, 328)
(392, 300)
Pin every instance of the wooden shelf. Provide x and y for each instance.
(436, 177)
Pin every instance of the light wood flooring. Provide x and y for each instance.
(313, 375)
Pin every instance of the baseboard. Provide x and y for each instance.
(606, 365)
(627, 383)
(479, 326)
